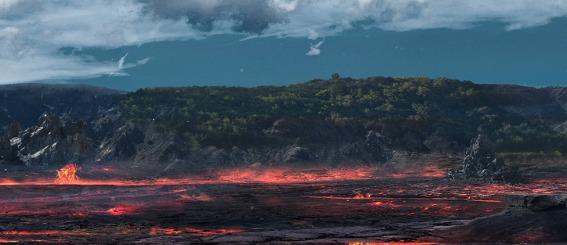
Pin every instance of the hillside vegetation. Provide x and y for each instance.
(414, 114)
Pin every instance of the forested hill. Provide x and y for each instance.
(416, 114)
(338, 120)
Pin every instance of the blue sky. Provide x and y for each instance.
(132, 44)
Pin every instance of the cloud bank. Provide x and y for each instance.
(33, 33)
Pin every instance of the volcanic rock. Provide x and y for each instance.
(52, 141)
(122, 145)
(541, 219)
(481, 163)
(480, 159)
(544, 202)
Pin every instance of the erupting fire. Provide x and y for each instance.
(67, 175)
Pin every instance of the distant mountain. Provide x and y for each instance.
(340, 120)
(25, 103)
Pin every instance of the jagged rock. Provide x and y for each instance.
(53, 141)
(481, 163)
(122, 145)
(480, 159)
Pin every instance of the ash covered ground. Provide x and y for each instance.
(357, 205)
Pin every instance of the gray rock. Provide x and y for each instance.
(53, 141)
(481, 163)
(543, 203)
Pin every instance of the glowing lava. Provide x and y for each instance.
(288, 176)
(359, 195)
(67, 175)
(385, 205)
(122, 210)
(169, 231)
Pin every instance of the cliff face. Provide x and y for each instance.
(341, 120)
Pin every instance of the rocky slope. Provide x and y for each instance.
(335, 121)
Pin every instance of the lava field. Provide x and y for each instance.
(344, 206)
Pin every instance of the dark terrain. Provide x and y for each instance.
(347, 161)
(336, 121)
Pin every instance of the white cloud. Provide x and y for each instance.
(315, 50)
(330, 17)
(32, 32)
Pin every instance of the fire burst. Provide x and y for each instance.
(67, 175)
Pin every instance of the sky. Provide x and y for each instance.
(132, 44)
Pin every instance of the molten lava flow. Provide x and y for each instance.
(385, 205)
(122, 210)
(67, 175)
(198, 197)
(288, 176)
(170, 231)
(425, 171)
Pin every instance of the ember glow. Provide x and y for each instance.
(67, 175)
(285, 176)
(386, 205)
(126, 209)
(200, 207)
(193, 231)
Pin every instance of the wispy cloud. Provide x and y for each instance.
(315, 50)
(32, 32)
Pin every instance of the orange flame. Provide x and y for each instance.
(359, 195)
(67, 175)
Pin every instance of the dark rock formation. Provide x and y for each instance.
(480, 160)
(481, 163)
(58, 140)
(543, 203)
(51, 141)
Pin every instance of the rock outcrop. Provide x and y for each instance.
(56, 140)
(481, 163)
(51, 140)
